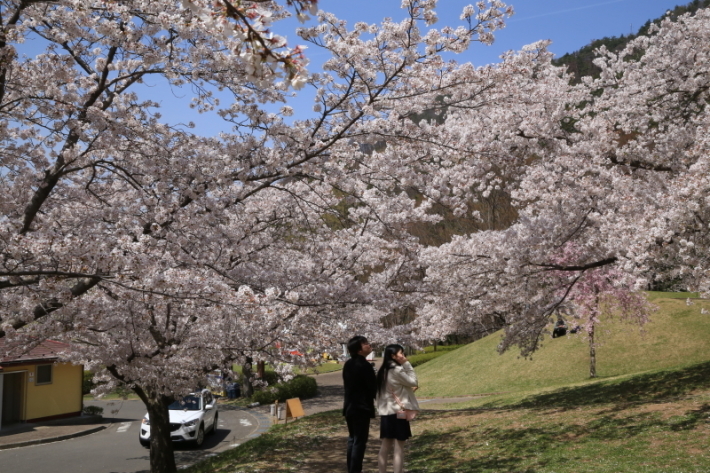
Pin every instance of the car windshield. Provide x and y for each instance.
(188, 403)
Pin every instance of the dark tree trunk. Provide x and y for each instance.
(592, 342)
(592, 355)
(247, 388)
(162, 454)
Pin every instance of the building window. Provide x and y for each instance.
(44, 374)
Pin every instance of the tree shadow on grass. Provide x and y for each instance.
(479, 446)
(521, 449)
(315, 445)
(644, 388)
(511, 450)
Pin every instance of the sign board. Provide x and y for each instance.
(294, 408)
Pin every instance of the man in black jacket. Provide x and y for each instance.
(360, 385)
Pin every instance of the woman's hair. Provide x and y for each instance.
(387, 364)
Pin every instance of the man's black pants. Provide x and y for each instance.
(358, 430)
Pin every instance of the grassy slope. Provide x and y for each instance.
(649, 423)
(676, 336)
(655, 421)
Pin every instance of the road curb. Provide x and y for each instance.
(27, 443)
(263, 423)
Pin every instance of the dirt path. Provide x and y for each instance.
(330, 393)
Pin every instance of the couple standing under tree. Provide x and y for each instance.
(393, 387)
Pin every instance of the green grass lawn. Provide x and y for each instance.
(657, 422)
(648, 412)
(677, 335)
(325, 367)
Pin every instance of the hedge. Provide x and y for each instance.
(429, 355)
(421, 358)
(300, 386)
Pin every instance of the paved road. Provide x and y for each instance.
(116, 449)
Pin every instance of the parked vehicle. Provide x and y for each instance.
(190, 418)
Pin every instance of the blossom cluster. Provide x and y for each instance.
(162, 255)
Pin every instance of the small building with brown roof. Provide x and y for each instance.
(35, 386)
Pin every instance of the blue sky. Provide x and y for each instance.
(570, 24)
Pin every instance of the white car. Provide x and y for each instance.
(190, 418)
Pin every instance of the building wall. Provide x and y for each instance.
(13, 395)
(2, 378)
(60, 397)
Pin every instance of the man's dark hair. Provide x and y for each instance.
(355, 344)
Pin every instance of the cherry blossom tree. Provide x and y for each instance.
(615, 168)
(161, 254)
(588, 294)
(653, 122)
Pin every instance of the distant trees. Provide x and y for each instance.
(580, 63)
(615, 167)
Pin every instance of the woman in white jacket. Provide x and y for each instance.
(396, 383)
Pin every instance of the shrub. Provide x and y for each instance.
(123, 391)
(429, 354)
(88, 382)
(421, 358)
(93, 410)
(301, 387)
(441, 348)
(271, 377)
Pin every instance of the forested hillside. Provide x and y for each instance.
(495, 209)
(580, 62)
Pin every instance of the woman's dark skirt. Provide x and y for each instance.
(393, 428)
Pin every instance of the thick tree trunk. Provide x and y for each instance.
(162, 454)
(592, 355)
(247, 388)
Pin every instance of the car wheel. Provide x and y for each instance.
(145, 443)
(200, 438)
(214, 424)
